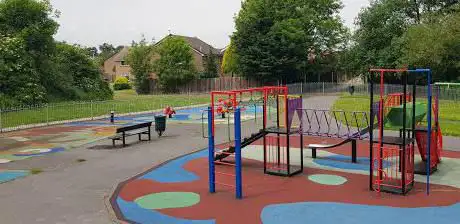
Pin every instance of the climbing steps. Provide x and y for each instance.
(247, 141)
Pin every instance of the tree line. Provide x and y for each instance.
(274, 40)
(35, 68)
(292, 39)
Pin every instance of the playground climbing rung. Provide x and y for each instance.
(226, 185)
(225, 153)
(224, 163)
(226, 174)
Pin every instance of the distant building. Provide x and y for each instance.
(201, 51)
(116, 66)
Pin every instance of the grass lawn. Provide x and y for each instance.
(125, 101)
(449, 115)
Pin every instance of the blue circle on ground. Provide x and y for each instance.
(8, 175)
(181, 117)
(344, 162)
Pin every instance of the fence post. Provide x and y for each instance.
(301, 88)
(323, 88)
(91, 106)
(1, 127)
(47, 114)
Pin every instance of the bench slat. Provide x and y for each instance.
(134, 127)
(137, 129)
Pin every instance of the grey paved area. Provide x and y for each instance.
(69, 191)
(319, 102)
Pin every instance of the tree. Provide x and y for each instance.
(106, 51)
(435, 45)
(274, 39)
(36, 27)
(78, 76)
(388, 31)
(379, 28)
(230, 60)
(140, 58)
(92, 51)
(34, 68)
(106, 48)
(175, 64)
(19, 82)
(211, 68)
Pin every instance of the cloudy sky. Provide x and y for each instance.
(92, 22)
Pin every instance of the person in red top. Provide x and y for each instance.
(169, 111)
(222, 107)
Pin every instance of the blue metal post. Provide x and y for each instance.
(212, 178)
(428, 144)
(239, 187)
(428, 168)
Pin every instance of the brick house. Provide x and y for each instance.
(116, 66)
(201, 51)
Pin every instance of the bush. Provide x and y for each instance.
(121, 83)
(7, 101)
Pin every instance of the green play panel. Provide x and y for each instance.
(394, 117)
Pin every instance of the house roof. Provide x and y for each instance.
(120, 56)
(197, 45)
(222, 50)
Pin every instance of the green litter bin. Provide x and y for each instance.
(160, 124)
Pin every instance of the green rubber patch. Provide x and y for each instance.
(327, 179)
(168, 200)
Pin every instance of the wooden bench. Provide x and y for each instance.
(137, 129)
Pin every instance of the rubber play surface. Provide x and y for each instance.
(42, 141)
(24, 144)
(330, 190)
(193, 115)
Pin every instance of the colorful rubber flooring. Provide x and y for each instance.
(29, 143)
(24, 144)
(194, 115)
(332, 192)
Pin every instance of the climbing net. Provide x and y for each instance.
(334, 123)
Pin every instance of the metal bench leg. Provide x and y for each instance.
(353, 151)
(150, 136)
(313, 153)
(124, 142)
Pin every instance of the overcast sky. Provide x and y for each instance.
(92, 22)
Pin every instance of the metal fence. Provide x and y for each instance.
(211, 84)
(327, 88)
(59, 113)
